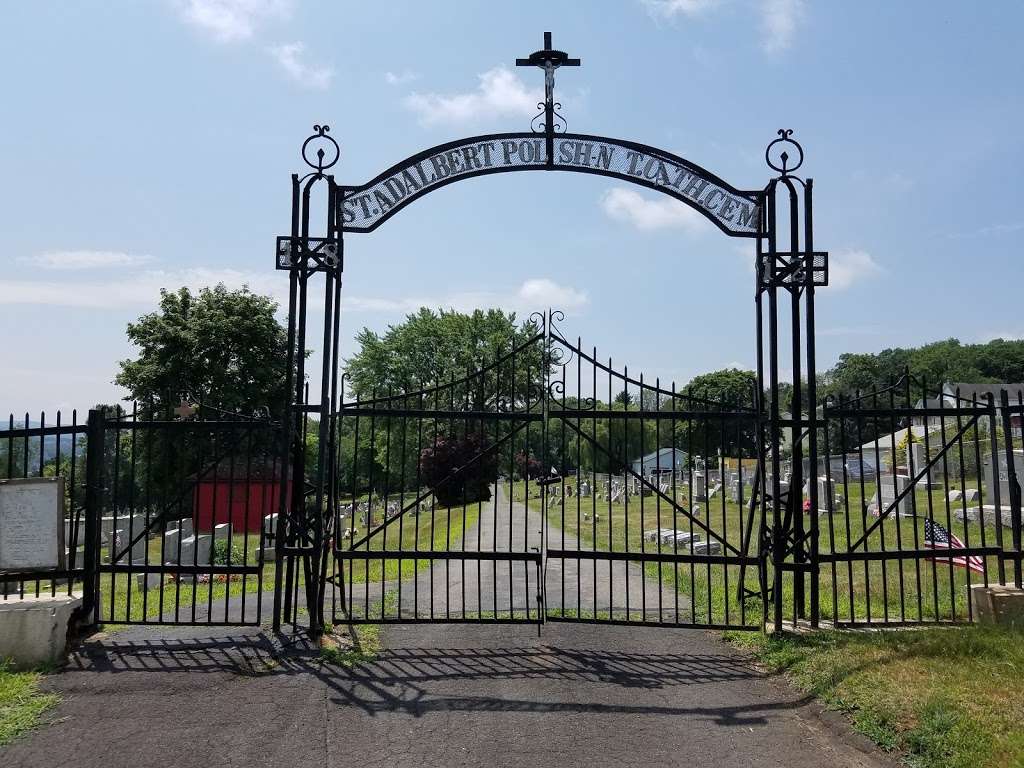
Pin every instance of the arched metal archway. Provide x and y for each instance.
(778, 218)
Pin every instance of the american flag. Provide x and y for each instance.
(937, 537)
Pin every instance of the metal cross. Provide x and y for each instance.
(549, 60)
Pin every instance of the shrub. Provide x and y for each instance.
(459, 469)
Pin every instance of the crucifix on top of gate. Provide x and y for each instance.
(549, 60)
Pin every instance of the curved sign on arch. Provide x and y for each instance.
(364, 208)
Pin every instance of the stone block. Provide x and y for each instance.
(34, 631)
(148, 581)
(1001, 604)
(196, 550)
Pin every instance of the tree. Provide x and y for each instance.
(459, 469)
(727, 389)
(223, 348)
(439, 347)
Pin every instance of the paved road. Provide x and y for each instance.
(453, 588)
(439, 695)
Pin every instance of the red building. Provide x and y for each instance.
(238, 492)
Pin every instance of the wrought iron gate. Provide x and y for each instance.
(513, 495)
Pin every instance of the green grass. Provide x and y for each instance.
(22, 704)
(941, 697)
(930, 591)
(439, 530)
(358, 643)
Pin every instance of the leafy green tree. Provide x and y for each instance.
(431, 348)
(727, 389)
(220, 347)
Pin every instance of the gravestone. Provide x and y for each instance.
(918, 461)
(585, 489)
(196, 550)
(699, 487)
(32, 523)
(1003, 486)
(170, 545)
(889, 487)
(137, 553)
(712, 547)
(186, 526)
(826, 503)
(149, 580)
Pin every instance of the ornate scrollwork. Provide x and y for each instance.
(780, 162)
(327, 150)
(558, 123)
(556, 391)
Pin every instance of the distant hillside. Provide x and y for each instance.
(49, 443)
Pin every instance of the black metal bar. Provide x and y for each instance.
(93, 511)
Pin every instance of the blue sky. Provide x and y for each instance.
(149, 144)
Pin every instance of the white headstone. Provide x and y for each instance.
(32, 523)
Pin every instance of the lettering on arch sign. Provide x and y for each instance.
(364, 208)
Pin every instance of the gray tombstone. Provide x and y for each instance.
(699, 486)
(712, 547)
(889, 488)
(918, 461)
(149, 580)
(196, 550)
(139, 545)
(170, 545)
(1003, 487)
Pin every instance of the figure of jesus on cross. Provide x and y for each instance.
(549, 60)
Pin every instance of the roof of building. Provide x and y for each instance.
(967, 392)
(662, 452)
(886, 442)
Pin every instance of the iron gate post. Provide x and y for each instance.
(95, 437)
(1013, 483)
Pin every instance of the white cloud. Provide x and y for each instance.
(401, 78)
(779, 21)
(500, 93)
(140, 289)
(74, 260)
(848, 267)
(290, 57)
(672, 8)
(542, 293)
(645, 214)
(232, 20)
